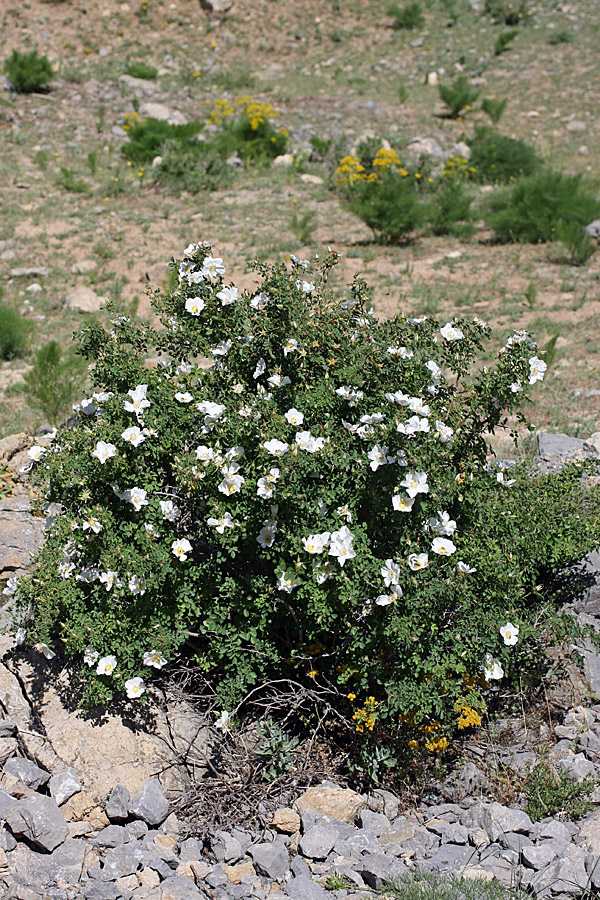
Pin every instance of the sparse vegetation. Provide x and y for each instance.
(27, 72)
(14, 332)
(142, 70)
(54, 382)
(409, 17)
(533, 209)
(458, 96)
(497, 158)
(552, 793)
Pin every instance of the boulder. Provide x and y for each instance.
(151, 110)
(84, 299)
(150, 804)
(21, 536)
(331, 800)
(39, 820)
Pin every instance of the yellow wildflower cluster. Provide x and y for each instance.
(132, 119)
(458, 167)
(257, 113)
(386, 160)
(433, 742)
(351, 169)
(468, 717)
(367, 715)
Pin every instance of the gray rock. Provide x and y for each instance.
(556, 450)
(466, 781)
(7, 728)
(514, 842)
(139, 84)
(550, 828)
(6, 803)
(21, 535)
(64, 785)
(136, 829)
(426, 147)
(304, 888)
(176, 887)
(361, 842)
(7, 841)
(299, 867)
(30, 271)
(450, 857)
(111, 836)
(591, 744)
(64, 864)
(39, 820)
(377, 868)
(567, 876)
(375, 822)
(84, 299)
(593, 229)
(318, 841)
(216, 878)
(117, 807)
(271, 860)
(226, 848)
(452, 833)
(477, 816)
(576, 766)
(216, 8)
(150, 804)
(99, 890)
(190, 850)
(119, 862)
(507, 819)
(538, 857)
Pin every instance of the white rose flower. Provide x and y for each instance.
(104, 451)
(135, 687)
(155, 659)
(106, 665)
(451, 333)
(36, 453)
(509, 634)
(181, 548)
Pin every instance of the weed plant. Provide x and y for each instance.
(576, 240)
(193, 169)
(535, 208)
(494, 108)
(508, 12)
(552, 793)
(54, 382)
(406, 17)
(503, 40)
(563, 36)
(142, 70)
(449, 209)
(459, 96)
(70, 182)
(421, 884)
(497, 158)
(14, 333)
(27, 72)
(303, 226)
(147, 138)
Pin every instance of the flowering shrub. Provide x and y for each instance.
(247, 129)
(317, 504)
(394, 200)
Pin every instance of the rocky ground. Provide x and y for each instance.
(96, 809)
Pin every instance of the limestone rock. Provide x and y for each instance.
(333, 801)
(285, 820)
(117, 806)
(39, 820)
(153, 110)
(27, 772)
(84, 267)
(21, 536)
(84, 299)
(150, 804)
(139, 84)
(216, 8)
(64, 785)
(63, 864)
(271, 860)
(235, 873)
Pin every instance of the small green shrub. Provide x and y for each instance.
(392, 207)
(303, 226)
(552, 793)
(494, 108)
(402, 94)
(275, 749)
(408, 17)
(315, 506)
(531, 210)
(193, 169)
(146, 139)
(561, 37)
(54, 381)
(421, 884)
(142, 70)
(508, 12)
(503, 40)
(27, 72)
(449, 209)
(237, 78)
(459, 96)
(579, 244)
(69, 182)
(14, 332)
(498, 158)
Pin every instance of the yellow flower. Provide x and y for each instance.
(351, 697)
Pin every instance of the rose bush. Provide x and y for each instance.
(276, 484)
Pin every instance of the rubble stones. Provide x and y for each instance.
(39, 820)
(150, 804)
